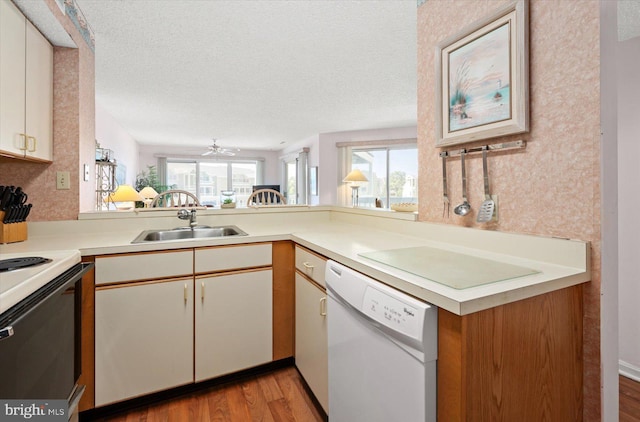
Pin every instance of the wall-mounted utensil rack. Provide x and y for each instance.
(489, 148)
(503, 146)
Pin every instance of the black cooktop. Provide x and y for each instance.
(22, 262)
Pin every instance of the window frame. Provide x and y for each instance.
(258, 162)
(387, 147)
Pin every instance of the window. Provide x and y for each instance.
(291, 178)
(295, 180)
(207, 178)
(392, 173)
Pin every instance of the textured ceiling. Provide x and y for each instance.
(253, 74)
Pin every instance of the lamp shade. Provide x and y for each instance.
(355, 175)
(148, 192)
(125, 193)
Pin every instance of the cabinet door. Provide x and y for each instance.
(143, 338)
(38, 121)
(233, 322)
(311, 338)
(12, 78)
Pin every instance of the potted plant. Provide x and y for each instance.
(228, 199)
(149, 177)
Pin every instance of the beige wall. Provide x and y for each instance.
(552, 187)
(73, 136)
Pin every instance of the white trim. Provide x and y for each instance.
(608, 219)
(208, 157)
(630, 371)
(380, 142)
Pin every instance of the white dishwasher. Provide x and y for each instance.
(382, 351)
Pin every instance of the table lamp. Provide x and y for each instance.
(148, 193)
(124, 193)
(355, 177)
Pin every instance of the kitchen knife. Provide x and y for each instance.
(8, 197)
(25, 210)
(8, 215)
(13, 218)
(14, 215)
(5, 200)
(19, 196)
(26, 214)
(19, 213)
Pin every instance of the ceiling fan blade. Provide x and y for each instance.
(217, 150)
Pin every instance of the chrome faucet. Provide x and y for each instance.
(188, 215)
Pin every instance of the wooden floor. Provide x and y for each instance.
(280, 396)
(629, 400)
(272, 397)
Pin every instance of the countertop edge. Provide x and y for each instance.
(342, 241)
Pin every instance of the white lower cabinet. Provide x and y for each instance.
(144, 338)
(311, 338)
(233, 322)
(159, 324)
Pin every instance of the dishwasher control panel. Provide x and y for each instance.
(393, 313)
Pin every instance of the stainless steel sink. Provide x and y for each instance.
(183, 233)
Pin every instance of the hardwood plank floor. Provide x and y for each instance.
(629, 400)
(277, 396)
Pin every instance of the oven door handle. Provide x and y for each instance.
(6, 332)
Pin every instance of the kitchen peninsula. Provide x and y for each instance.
(507, 349)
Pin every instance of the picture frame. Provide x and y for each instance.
(482, 78)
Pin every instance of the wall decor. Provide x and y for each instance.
(483, 78)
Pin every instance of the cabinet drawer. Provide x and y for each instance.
(226, 258)
(143, 266)
(311, 265)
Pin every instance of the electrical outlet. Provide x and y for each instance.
(495, 208)
(62, 180)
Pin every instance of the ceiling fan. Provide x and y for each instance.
(215, 149)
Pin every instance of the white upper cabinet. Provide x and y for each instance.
(12, 78)
(26, 88)
(39, 95)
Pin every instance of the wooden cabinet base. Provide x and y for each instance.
(516, 362)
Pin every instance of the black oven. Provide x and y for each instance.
(40, 341)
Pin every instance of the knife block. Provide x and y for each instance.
(12, 232)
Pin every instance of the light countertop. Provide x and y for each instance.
(17, 284)
(343, 236)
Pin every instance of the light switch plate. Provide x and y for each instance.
(62, 180)
(86, 172)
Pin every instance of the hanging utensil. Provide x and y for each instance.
(445, 197)
(464, 208)
(487, 208)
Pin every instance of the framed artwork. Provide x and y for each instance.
(482, 78)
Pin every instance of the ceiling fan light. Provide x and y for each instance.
(217, 150)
